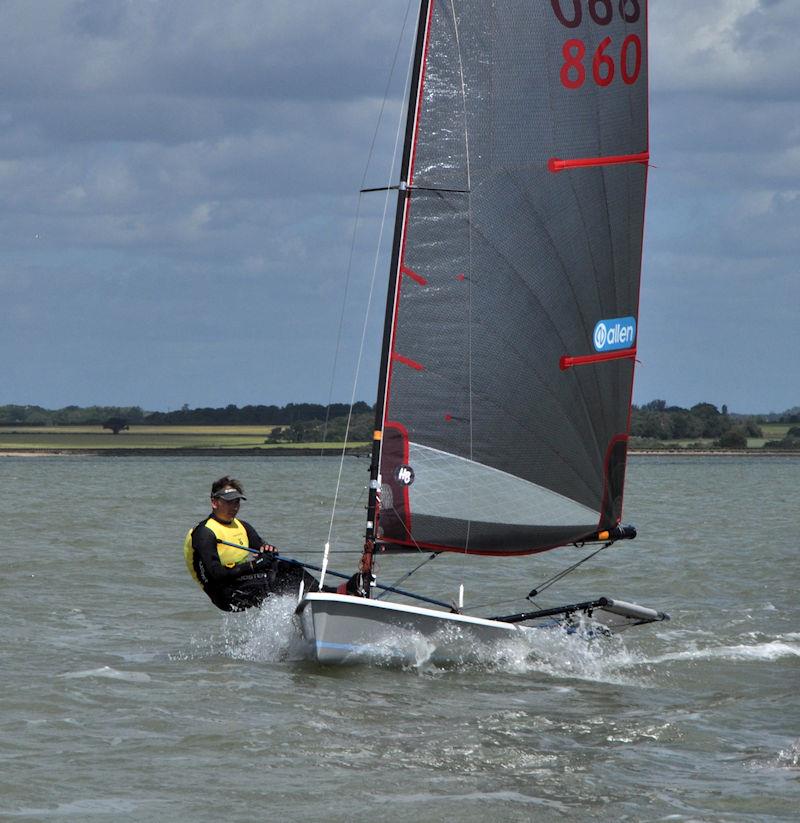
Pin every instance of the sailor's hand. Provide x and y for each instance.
(267, 547)
(262, 563)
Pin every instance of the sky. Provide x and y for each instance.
(180, 182)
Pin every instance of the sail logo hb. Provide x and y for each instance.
(619, 333)
(404, 475)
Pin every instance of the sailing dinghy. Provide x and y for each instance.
(509, 345)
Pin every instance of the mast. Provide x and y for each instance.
(403, 197)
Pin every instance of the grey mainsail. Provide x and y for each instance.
(511, 327)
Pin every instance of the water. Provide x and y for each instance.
(127, 696)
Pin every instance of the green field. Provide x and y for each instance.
(775, 431)
(771, 431)
(93, 438)
(192, 438)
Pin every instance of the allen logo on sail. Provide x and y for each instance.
(619, 333)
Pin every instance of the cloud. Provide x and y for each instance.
(734, 47)
(242, 49)
(177, 173)
(726, 126)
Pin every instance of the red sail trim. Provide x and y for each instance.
(644, 197)
(406, 209)
(396, 452)
(418, 113)
(398, 253)
(417, 278)
(612, 482)
(567, 362)
(556, 164)
(407, 361)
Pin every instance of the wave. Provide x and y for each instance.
(773, 650)
(270, 634)
(789, 758)
(267, 634)
(108, 673)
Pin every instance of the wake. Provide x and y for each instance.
(269, 634)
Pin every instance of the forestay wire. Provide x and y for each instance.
(564, 572)
(469, 318)
(374, 268)
(408, 574)
(539, 588)
(469, 257)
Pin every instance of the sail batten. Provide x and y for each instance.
(567, 362)
(556, 164)
(517, 259)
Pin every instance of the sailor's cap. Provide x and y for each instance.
(229, 493)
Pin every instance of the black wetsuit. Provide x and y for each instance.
(234, 586)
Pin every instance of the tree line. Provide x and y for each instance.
(658, 422)
(17, 415)
(651, 424)
(357, 428)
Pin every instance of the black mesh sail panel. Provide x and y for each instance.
(513, 321)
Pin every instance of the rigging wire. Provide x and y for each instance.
(537, 590)
(408, 574)
(419, 549)
(377, 254)
(564, 572)
(469, 258)
(316, 551)
(351, 254)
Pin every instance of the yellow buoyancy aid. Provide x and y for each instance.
(230, 556)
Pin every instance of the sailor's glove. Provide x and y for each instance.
(262, 563)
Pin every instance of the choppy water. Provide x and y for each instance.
(127, 696)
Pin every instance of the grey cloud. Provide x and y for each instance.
(728, 48)
(237, 49)
(176, 170)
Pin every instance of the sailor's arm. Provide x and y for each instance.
(204, 543)
(310, 582)
(255, 541)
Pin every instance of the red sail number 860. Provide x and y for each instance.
(573, 71)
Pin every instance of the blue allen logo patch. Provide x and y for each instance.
(619, 333)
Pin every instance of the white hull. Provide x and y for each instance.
(343, 629)
(340, 628)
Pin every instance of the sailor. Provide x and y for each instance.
(235, 578)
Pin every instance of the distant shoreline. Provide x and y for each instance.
(187, 452)
(358, 451)
(713, 452)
